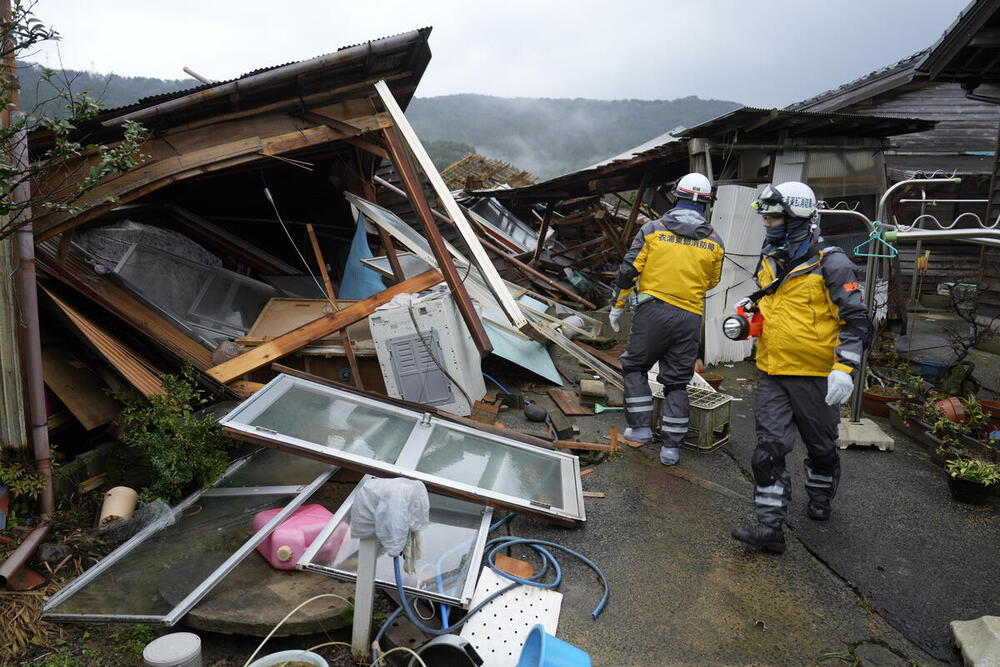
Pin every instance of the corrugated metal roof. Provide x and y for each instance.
(906, 64)
(766, 124)
(163, 97)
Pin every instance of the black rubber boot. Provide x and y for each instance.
(818, 511)
(763, 537)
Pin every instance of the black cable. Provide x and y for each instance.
(420, 335)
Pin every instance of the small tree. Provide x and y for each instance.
(19, 32)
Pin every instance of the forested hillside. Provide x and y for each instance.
(542, 135)
(551, 136)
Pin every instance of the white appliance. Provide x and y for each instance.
(421, 340)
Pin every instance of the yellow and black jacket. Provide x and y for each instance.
(816, 320)
(676, 258)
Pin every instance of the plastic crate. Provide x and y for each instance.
(709, 425)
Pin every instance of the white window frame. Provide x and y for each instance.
(471, 577)
(238, 424)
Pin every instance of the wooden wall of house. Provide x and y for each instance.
(963, 124)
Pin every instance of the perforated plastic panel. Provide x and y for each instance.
(498, 630)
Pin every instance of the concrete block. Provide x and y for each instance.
(978, 640)
(863, 433)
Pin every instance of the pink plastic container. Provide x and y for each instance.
(283, 547)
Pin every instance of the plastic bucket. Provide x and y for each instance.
(294, 656)
(543, 650)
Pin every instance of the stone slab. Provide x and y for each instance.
(979, 640)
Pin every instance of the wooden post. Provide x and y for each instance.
(415, 191)
(405, 135)
(543, 231)
(633, 214)
(345, 340)
(368, 192)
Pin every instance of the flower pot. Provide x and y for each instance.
(713, 379)
(968, 491)
(952, 408)
(876, 401)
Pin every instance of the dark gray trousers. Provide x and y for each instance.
(786, 404)
(668, 335)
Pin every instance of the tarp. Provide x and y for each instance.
(359, 281)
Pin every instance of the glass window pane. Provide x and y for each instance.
(160, 572)
(491, 465)
(273, 467)
(447, 546)
(236, 305)
(144, 272)
(331, 421)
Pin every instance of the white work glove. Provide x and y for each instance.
(839, 386)
(613, 317)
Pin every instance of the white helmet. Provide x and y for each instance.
(695, 187)
(792, 199)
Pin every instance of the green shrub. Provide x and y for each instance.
(185, 451)
(24, 485)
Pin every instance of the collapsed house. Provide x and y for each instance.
(245, 237)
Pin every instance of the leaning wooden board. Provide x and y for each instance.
(307, 333)
(78, 387)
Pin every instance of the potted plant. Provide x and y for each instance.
(927, 423)
(875, 400)
(969, 480)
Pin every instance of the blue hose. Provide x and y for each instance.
(494, 546)
(493, 380)
(539, 546)
(497, 544)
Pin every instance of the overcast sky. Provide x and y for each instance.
(764, 53)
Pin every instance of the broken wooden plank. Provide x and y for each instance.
(610, 358)
(79, 388)
(245, 388)
(587, 471)
(484, 413)
(324, 326)
(594, 494)
(91, 483)
(617, 439)
(568, 403)
(140, 373)
(590, 446)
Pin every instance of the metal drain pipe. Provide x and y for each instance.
(28, 296)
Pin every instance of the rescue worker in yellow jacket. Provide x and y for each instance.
(814, 333)
(676, 259)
